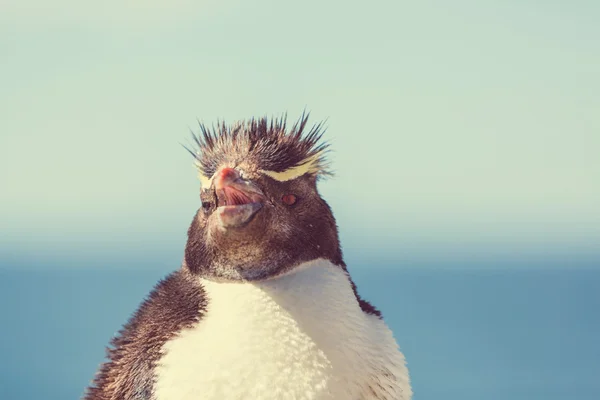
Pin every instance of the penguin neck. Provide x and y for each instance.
(308, 293)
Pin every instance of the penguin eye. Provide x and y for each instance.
(206, 206)
(289, 199)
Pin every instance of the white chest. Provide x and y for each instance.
(300, 336)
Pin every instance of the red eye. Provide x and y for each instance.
(289, 199)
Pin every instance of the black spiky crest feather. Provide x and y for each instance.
(264, 142)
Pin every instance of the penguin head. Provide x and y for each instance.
(261, 213)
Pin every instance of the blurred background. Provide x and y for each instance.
(466, 140)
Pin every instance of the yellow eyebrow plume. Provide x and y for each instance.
(310, 165)
(204, 181)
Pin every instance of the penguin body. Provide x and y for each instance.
(263, 306)
(268, 340)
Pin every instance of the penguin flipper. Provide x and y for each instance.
(177, 302)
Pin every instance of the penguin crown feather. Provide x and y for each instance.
(279, 152)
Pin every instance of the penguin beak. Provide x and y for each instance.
(238, 200)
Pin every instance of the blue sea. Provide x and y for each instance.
(518, 334)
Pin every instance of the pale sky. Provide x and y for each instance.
(460, 127)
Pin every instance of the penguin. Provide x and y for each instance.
(263, 306)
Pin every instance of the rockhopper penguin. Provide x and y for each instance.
(263, 306)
